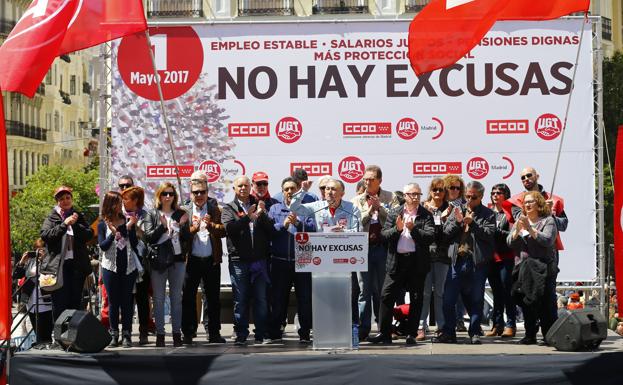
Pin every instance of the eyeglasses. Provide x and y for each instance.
(497, 193)
(322, 188)
(528, 175)
(168, 194)
(414, 194)
(455, 188)
(529, 202)
(261, 183)
(242, 185)
(123, 186)
(438, 190)
(199, 192)
(471, 197)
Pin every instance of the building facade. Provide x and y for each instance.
(54, 126)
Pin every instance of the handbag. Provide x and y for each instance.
(53, 280)
(161, 256)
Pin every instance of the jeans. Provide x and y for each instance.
(370, 285)
(69, 296)
(468, 281)
(282, 277)
(119, 288)
(175, 275)
(501, 281)
(436, 278)
(243, 289)
(202, 270)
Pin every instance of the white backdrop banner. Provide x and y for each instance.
(335, 97)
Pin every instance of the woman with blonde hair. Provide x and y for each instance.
(533, 239)
(167, 232)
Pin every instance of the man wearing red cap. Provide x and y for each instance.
(260, 189)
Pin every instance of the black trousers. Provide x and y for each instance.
(142, 302)
(405, 277)
(540, 313)
(69, 296)
(43, 325)
(202, 270)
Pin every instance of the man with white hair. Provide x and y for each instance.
(408, 231)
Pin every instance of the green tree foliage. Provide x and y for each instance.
(33, 204)
(613, 117)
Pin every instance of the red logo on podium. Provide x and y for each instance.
(302, 238)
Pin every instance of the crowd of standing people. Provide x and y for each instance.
(440, 248)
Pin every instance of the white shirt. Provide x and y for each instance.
(406, 244)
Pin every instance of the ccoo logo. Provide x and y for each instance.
(407, 128)
(351, 169)
(212, 169)
(289, 130)
(548, 126)
(477, 167)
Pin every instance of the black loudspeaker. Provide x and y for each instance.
(578, 330)
(81, 332)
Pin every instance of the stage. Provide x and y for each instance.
(495, 361)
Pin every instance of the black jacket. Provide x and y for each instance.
(52, 232)
(153, 230)
(423, 233)
(482, 231)
(439, 248)
(239, 245)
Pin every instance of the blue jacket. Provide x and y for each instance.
(282, 245)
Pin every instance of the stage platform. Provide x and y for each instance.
(495, 361)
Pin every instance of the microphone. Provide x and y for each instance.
(349, 213)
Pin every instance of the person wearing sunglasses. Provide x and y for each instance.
(437, 205)
(300, 176)
(533, 238)
(409, 230)
(373, 204)
(470, 230)
(501, 269)
(167, 232)
(203, 264)
(125, 181)
(322, 185)
(260, 189)
(249, 231)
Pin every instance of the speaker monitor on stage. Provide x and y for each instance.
(578, 330)
(80, 332)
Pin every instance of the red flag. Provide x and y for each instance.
(97, 22)
(50, 28)
(5, 237)
(33, 44)
(618, 225)
(446, 30)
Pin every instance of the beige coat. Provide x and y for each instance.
(361, 203)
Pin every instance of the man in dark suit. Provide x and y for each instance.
(408, 231)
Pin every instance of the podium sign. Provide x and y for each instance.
(331, 252)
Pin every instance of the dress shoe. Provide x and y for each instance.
(495, 331)
(115, 338)
(126, 339)
(460, 327)
(410, 341)
(160, 340)
(216, 339)
(380, 339)
(444, 339)
(509, 332)
(188, 339)
(527, 341)
(421, 335)
(142, 338)
(240, 341)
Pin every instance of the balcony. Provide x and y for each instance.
(174, 8)
(265, 7)
(321, 7)
(41, 89)
(606, 28)
(16, 128)
(86, 88)
(415, 5)
(65, 97)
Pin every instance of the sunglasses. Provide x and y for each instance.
(471, 197)
(124, 186)
(261, 183)
(497, 193)
(529, 202)
(438, 190)
(322, 188)
(528, 175)
(455, 188)
(168, 194)
(198, 192)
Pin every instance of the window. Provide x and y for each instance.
(72, 85)
(57, 121)
(72, 128)
(48, 78)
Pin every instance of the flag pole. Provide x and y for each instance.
(564, 126)
(164, 112)
(5, 248)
